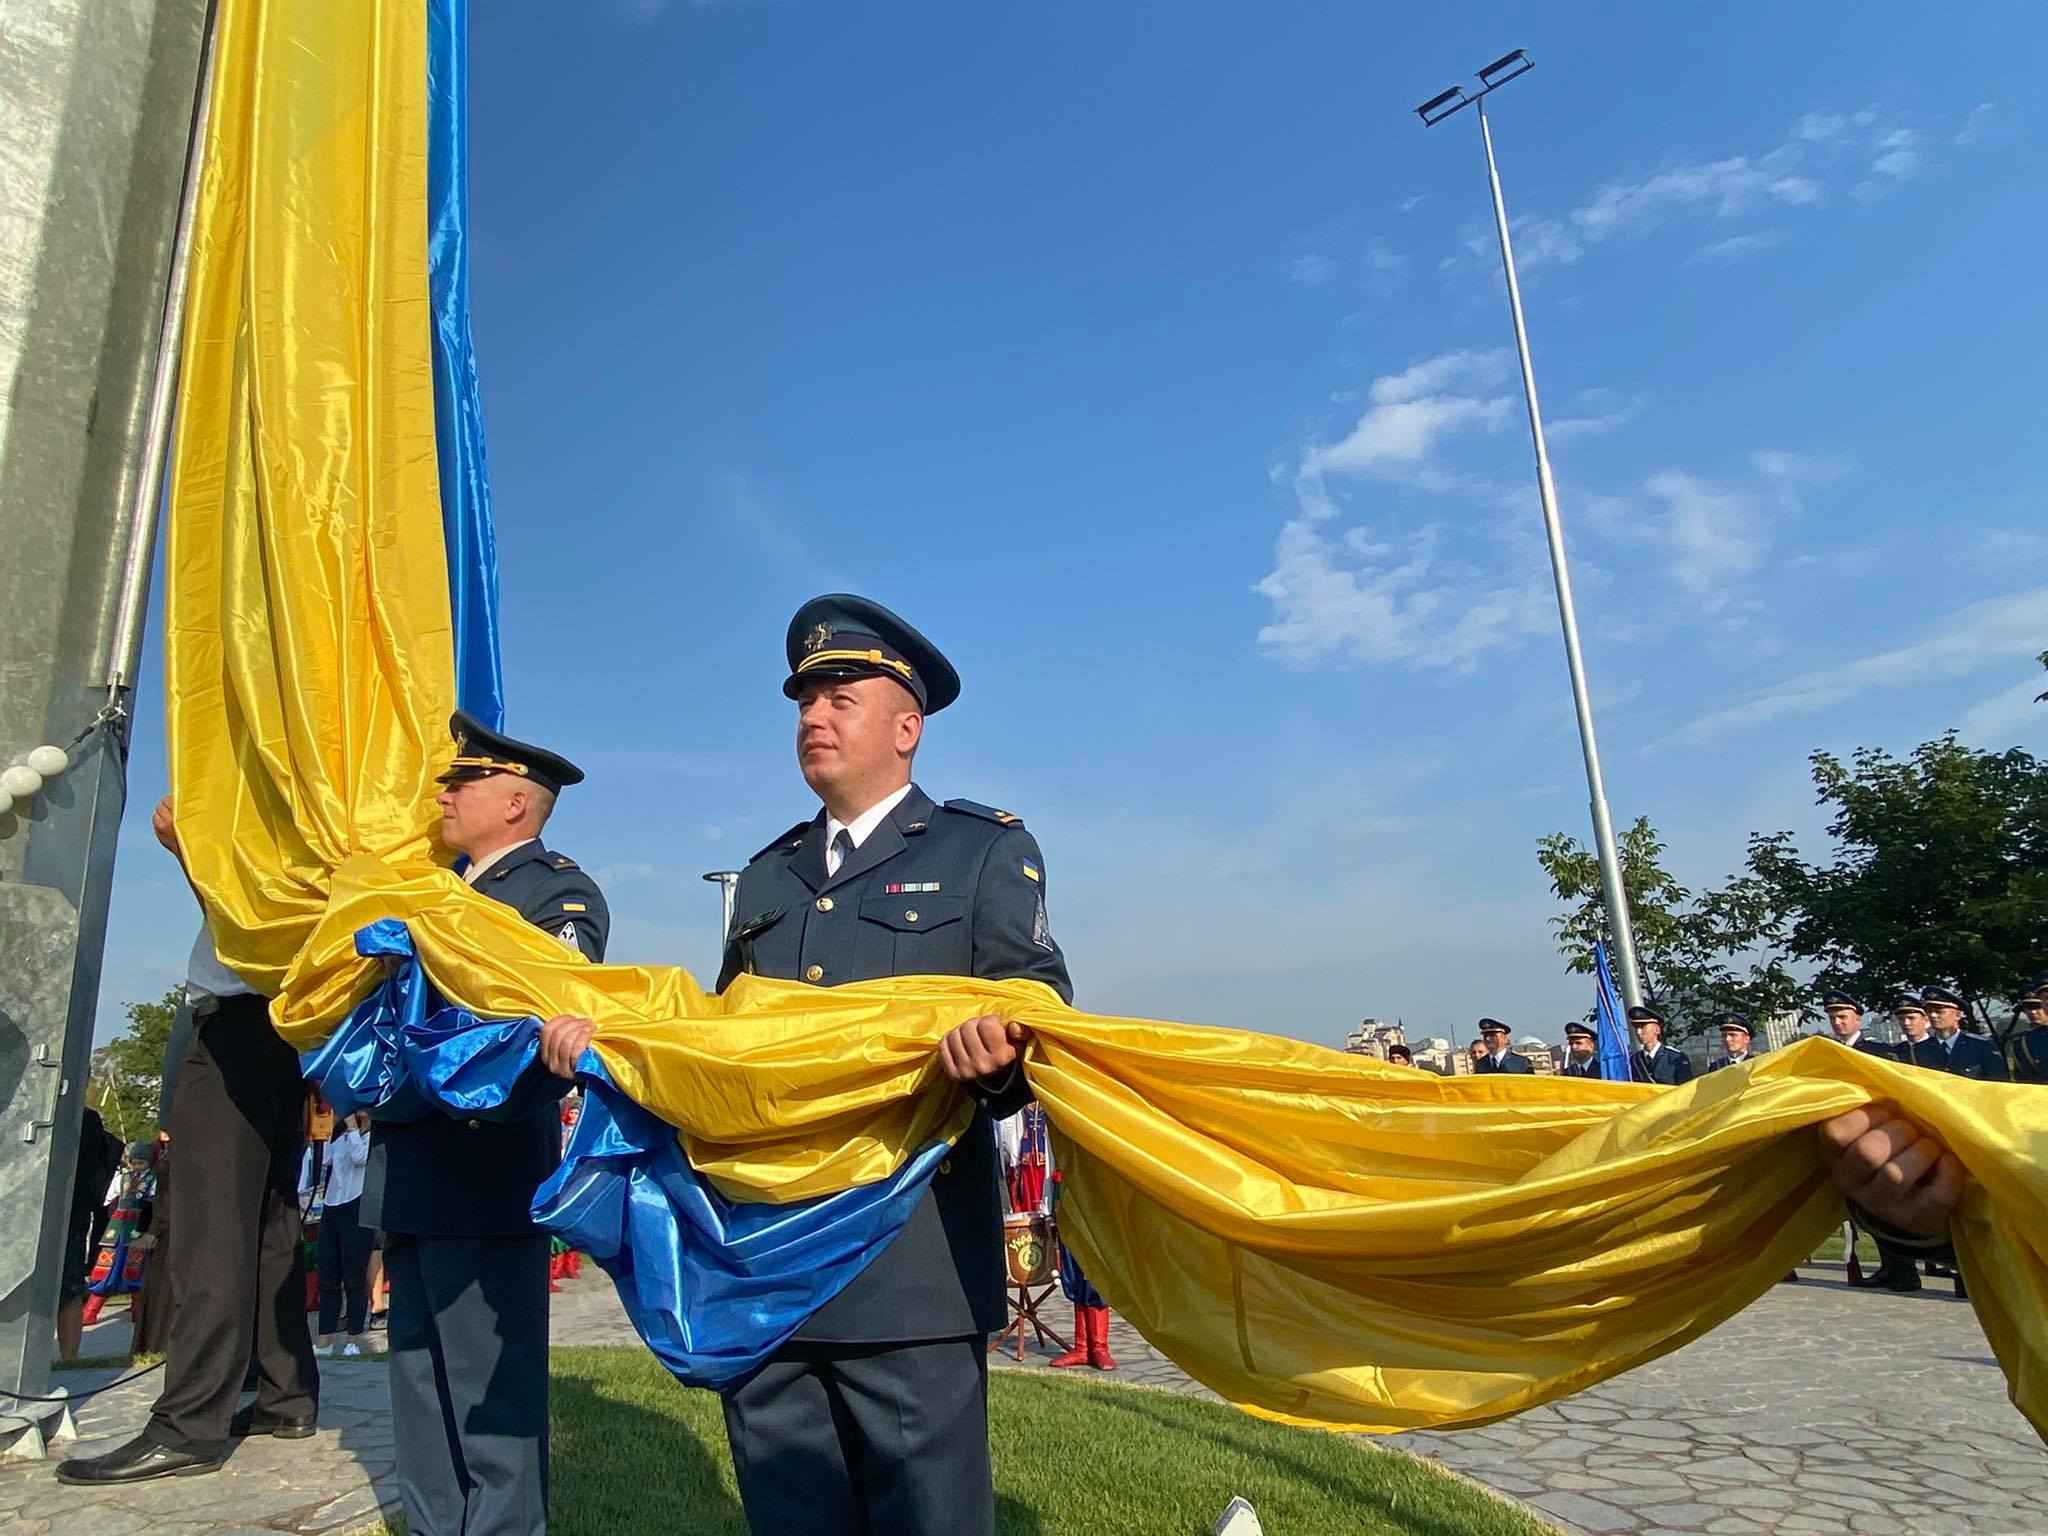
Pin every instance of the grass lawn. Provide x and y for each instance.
(634, 1453)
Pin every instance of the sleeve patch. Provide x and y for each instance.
(1031, 872)
(574, 906)
(1041, 933)
(567, 934)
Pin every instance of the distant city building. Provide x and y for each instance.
(1781, 1031)
(1540, 1054)
(1373, 1036)
(1436, 1055)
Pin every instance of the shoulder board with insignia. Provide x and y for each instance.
(789, 839)
(985, 812)
(564, 863)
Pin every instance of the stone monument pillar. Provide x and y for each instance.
(96, 103)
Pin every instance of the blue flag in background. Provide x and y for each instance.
(1615, 1051)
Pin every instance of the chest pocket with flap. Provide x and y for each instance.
(914, 933)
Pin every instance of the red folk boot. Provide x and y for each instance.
(1098, 1339)
(1080, 1353)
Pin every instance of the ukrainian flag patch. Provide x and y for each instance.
(1031, 871)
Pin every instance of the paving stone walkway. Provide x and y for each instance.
(1816, 1411)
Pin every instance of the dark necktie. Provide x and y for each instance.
(842, 850)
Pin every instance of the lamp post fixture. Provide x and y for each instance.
(728, 881)
(1615, 894)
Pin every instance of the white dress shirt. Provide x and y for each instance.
(205, 976)
(858, 830)
(478, 868)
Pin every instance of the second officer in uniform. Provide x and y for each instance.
(468, 1268)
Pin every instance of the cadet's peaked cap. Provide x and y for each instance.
(840, 635)
(1839, 1000)
(1906, 1002)
(481, 752)
(1733, 1021)
(1493, 1027)
(1577, 1030)
(1941, 995)
(1645, 1015)
(2038, 987)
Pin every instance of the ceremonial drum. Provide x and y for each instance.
(1028, 1247)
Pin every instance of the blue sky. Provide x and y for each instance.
(1152, 359)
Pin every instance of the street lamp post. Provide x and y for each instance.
(728, 881)
(1432, 112)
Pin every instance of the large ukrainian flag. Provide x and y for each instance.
(1315, 1236)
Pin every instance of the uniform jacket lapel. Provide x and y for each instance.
(809, 863)
(884, 843)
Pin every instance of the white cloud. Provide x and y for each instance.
(1899, 158)
(1604, 411)
(1735, 248)
(1410, 204)
(1312, 270)
(1384, 267)
(2008, 717)
(1821, 154)
(1365, 594)
(1976, 125)
(1798, 468)
(1998, 630)
(2004, 548)
(1712, 535)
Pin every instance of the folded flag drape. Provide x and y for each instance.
(1317, 1237)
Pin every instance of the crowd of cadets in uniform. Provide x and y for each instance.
(1933, 1022)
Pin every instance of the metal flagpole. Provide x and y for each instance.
(132, 603)
(1613, 892)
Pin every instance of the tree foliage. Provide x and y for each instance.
(1699, 953)
(127, 1072)
(1939, 874)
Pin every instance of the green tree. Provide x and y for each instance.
(1939, 875)
(127, 1072)
(1699, 954)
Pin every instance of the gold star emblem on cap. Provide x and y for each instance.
(819, 639)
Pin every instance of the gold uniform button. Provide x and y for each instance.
(815, 973)
(824, 903)
(910, 916)
(476, 1125)
(946, 1166)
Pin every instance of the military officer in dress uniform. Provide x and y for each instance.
(1735, 1038)
(1582, 1050)
(1964, 1055)
(468, 1332)
(1845, 1018)
(1654, 1061)
(873, 1418)
(1498, 1057)
(2030, 1050)
(1917, 1047)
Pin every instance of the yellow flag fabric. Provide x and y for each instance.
(1315, 1236)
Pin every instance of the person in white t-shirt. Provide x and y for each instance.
(344, 1241)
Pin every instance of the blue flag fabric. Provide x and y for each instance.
(713, 1286)
(458, 402)
(1615, 1051)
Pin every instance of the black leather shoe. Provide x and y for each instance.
(138, 1461)
(1905, 1280)
(1875, 1279)
(257, 1421)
